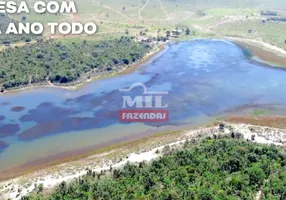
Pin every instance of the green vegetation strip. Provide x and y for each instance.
(67, 61)
(223, 168)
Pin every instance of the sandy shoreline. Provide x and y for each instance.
(265, 52)
(146, 150)
(74, 155)
(281, 52)
(112, 154)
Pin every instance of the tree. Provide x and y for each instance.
(24, 18)
(40, 188)
(28, 40)
(168, 34)
(126, 31)
(256, 176)
(193, 172)
(65, 62)
(158, 32)
(188, 31)
(125, 61)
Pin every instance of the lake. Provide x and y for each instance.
(204, 79)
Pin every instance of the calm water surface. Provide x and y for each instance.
(204, 78)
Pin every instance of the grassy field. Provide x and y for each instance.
(270, 32)
(208, 4)
(235, 18)
(238, 18)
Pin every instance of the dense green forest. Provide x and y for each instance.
(64, 62)
(223, 169)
